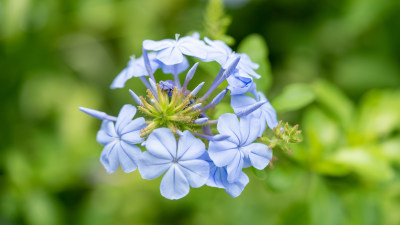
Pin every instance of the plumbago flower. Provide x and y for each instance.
(182, 162)
(178, 134)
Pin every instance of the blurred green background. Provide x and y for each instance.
(332, 66)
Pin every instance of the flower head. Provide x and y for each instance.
(238, 151)
(181, 161)
(170, 108)
(120, 140)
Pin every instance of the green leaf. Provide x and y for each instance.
(255, 46)
(293, 97)
(321, 133)
(379, 114)
(364, 162)
(334, 101)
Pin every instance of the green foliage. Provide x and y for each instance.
(293, 97)
(334, 71)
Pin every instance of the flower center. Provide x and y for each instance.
(169, 109)
(175, 160)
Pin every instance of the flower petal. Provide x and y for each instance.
(170, 56)
(249, 129)
(174, 184)
(269, 115)
(235, 167)
(161, 143)
(128, 156)
(131, 132)
(240, 102)
(259, 155)
(236, 188)
(125, 117)
(170, 69)
(195, 171)
(109, 157)
(228, 124)
(222, 152)
(151, 167)
(120, 80)
(193, 47)
(106, 134)
(190, 147)
(158, 45)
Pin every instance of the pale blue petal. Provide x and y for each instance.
(120, 79)
(106, 134)
(190, 147)
(241, 102)
(131, 132)
(193, 47)
(132, 137)
(161, 143)
(222, 152)
(240, 83)
(236, 188)
(174, 184)
(139, 68)
(250, 129)
(128, 156)
(235, 167)
(170, 56)
(170, 69)
(195, 171)
(125, 117)
(218, 51)
(109, 157)
(269, 115)
(151, 167)
(158, 45)
(259, 155)
(228, 124)
(217, 174)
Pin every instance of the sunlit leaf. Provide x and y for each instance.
(293, 97)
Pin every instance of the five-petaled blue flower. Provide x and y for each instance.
(238, 151)
(220, 52)
(266, 113)
(181, 161)
(120, 141)
(170, 52)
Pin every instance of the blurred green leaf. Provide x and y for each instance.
(364, 162)
(321, 133)
(255, 46)
(379, 114)
(293, 97)
(324, 205)
(335, 101)
(41, 209)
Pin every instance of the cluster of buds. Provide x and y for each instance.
(283, 135)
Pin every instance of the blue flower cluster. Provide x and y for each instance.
(179, 139)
